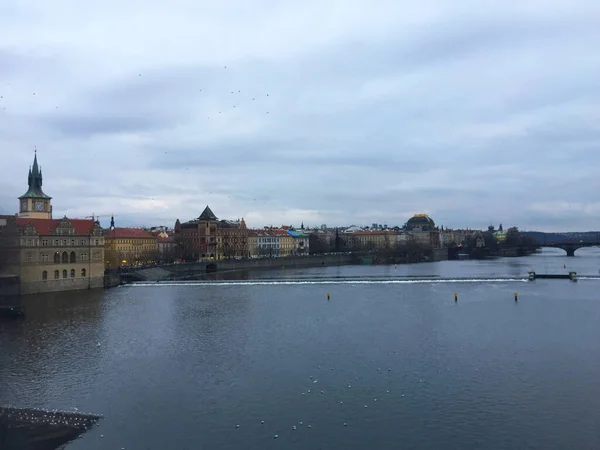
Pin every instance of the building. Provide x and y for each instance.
(420, 222)
(372, 239)
(300, 242)
(166, 248)
(284, 238)
(50, 254)
(268, 243)
(126, 247)
(252, 243)
(232, 238)
(197, 239)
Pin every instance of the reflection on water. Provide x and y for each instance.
(183, 366)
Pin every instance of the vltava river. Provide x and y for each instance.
(381, 365)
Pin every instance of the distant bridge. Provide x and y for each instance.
(569, 247)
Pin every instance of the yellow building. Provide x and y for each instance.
(50, 254)
(125, 247)
(286, 241)
(253, 243)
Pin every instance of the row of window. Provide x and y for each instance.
(135, 241)
(64, 274)
(65, 258)
(64, 242)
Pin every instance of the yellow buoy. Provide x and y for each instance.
(516, 296)
(328, 296)
(455, 297)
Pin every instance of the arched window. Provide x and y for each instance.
(65, 273)
(56, 258)
(56, 274)
(65, 257)
(45, 275)
(72, 273)
(73, 258)
(83, 272)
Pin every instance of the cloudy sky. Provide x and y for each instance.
(322, 111)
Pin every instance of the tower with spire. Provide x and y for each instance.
(34, 204)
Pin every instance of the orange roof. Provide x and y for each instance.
(45, 227)
(128, 233)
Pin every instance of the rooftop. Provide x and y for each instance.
(45, 227)
(129, 233)
(207, 214)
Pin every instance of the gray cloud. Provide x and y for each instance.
(283, 114)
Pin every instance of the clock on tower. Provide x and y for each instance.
(34, 203)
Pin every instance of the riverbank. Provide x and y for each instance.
(198, 269)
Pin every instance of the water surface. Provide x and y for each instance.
(400, 364)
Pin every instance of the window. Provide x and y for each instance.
(56, 258)
(65, 257)
(82, 242)
(29, 242)
(73, 257)
(56, 274)
(45, 257)
(97, 242)
(72, 242)
(72, 273)
(29, 257)
(83, 273)
(65, 242)
(44, 241)
(65, 273)
(45, 275)
(83, 256)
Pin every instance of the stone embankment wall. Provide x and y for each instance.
(9, 291)
(179, 270)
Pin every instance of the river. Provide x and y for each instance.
(390, 361)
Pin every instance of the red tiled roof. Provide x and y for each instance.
(45, 227)
(128, 233)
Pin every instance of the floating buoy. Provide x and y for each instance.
(516, 296)
(328, 296)
(455, 297)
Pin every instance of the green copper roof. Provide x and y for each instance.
(35, 182)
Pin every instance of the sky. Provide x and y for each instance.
(320, 111)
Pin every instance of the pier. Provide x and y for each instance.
(553, 276)
(37, 429)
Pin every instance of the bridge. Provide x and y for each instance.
(570, 247)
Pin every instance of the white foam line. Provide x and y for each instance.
(271, 283)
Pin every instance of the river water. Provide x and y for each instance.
(390, 361)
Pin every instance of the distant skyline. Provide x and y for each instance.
(319, 112)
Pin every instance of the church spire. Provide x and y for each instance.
(34, 181)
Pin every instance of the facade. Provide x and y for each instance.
(268, 243)
(50, 254)
(126, 247)
(197, 239)
(252, 243)
(232, 239)
(372, 239)
(286, 241)
(300, 242)
(53, 254)
(166, 248)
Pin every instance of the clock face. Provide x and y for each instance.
(39, 206)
